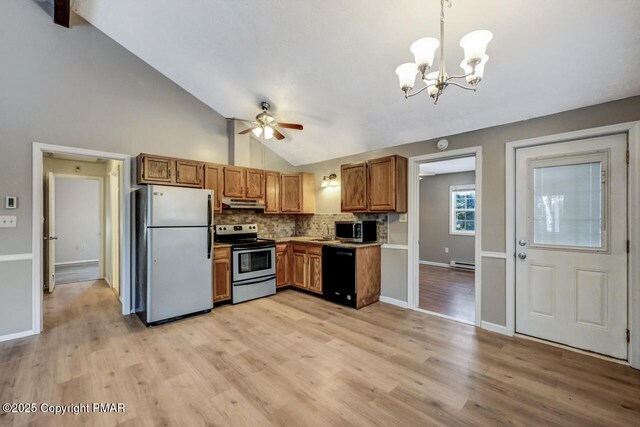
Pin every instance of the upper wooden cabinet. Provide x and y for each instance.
(154, 169)
(189, 173)
(379, 185)
(297, 193)
(255, 184)
(354, 187)
(387, 186)
(213, 180)
(272, 192)
(234, 181)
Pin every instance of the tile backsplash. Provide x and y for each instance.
(273, 226)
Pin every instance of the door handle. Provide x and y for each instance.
(522, 242)
(522, 255)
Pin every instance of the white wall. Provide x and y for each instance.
(78, 226)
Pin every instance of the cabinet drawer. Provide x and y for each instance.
(281, 247)
(314, 250)
(300, 247)
(220, 253)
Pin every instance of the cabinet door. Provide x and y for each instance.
(354, 187)
(213, 181)
(272, 192)
(188, 173)
(282, 267)
(382, 184)
(315, 273)
(298, 269)
(255, 184)
(155, 170)
(291, 192)
(234, 182)
(221, 279)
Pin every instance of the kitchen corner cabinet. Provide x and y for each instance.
(297, 193)
(282, 265)
(307, 267)
(272, 192)
(221, 274)
(162, 170)
(378, 185)
(213, 180)
(353, 179)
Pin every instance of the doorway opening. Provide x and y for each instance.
(81, 222)
(447, 209)
(445, 234)
(73, 168)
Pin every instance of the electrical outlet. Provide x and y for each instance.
(403, 218)
(446, 250)
(8, 221)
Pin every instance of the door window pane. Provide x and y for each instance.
(567, 205)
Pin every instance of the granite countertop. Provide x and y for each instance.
(320, 241)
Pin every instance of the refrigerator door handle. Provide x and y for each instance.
(210, 211)
(209, 242)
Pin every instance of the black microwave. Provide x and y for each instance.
(357, 231)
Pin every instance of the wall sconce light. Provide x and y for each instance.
(329, 181)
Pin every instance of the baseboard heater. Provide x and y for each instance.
(463, 265)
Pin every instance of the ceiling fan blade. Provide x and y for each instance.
(290, 126)
(277, 135)
(247, 130)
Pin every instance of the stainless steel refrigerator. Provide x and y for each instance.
(174, 244)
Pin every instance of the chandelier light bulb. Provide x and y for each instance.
(475, 44)
(407, 75)
(474, 76)
(423, 51)
(431, 81)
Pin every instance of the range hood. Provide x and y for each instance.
(243, 203)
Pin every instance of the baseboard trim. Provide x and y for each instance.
(17, 335)
(394, 301)
(84, 261)
(435, 264)
(15, 257)
(495, 328)
(394, 246)
(499, 255)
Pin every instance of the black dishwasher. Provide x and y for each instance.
(339, 275)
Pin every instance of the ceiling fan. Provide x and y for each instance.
(267, 125)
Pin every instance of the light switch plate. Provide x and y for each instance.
(8, 221)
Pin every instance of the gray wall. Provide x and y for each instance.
(493, 142)
(77, 87)
(434, 220)
(77, 217)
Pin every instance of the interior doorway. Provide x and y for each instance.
(114, 266)
(445, 204)
(81, 221)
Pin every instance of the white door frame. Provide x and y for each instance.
(632, 129)
(37, 217)
(100, 212)
(413, 268)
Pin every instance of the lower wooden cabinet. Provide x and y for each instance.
(306, 266)
(221, 274)
(282, 265)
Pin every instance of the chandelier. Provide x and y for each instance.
(474, 45)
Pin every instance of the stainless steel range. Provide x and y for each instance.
(252, 261)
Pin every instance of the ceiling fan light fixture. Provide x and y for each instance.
(268, 132)
(257, 132)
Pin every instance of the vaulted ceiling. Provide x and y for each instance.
(330, 64)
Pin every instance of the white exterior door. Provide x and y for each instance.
(571, 243)
(50, 232)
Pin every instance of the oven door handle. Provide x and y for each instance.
(253, 282)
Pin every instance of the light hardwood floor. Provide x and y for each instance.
(448, 291)
(295, 359)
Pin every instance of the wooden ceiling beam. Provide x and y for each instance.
(62, 12)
